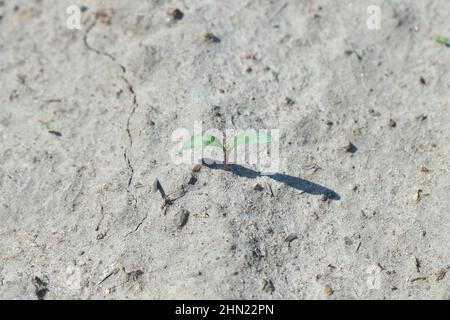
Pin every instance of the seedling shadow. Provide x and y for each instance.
(293, 182)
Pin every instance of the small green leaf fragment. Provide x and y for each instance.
(441, 39)
(202, 140)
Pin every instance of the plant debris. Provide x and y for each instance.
(192, 180)
(312, 165)
(417, 196)
(424, 169)
(442, 40)
(165, 203)
(268, 286)
(49, 130)
(210, 37)
(441, 274)
(417, 263)
(268, 188)
(418, 279)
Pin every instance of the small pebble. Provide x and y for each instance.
(210, 37)
(345, 146)
(192, 180)
(288, 101)
(290, 238)
(181, 218)
(348, 241)
(257, 187)
(392, 123)
(176, 14)
(416, 196)
(422, 117)
(328, 290)
(196, 167)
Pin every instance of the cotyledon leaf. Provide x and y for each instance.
(202, 140)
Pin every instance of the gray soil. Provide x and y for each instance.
(79, 217)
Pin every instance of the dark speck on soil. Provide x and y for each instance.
(210, 38)
(176, 14)
(41, 287)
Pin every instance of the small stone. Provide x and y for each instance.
(392, 123)
(291, 238)
(181, 218)
(257, 187)
(192, 180)
(374, 113)
(353, 187)
(328, 290)
(324, 197)
(210, 38)
(422, 117)
(416, 196)
(176, 14)
(345, 146)
(196, 167)
(268, 188)
(348, 241)
(288, 101)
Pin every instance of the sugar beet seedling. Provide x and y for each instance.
(204, 140)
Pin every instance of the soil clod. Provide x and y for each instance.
(181, 218)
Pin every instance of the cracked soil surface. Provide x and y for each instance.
(80, 216)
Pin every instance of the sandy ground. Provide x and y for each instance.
(79, 218)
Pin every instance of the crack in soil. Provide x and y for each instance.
(138, 226)
(130, 89)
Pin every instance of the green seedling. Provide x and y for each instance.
(50, 130)
(441, 39)
(205, 140)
